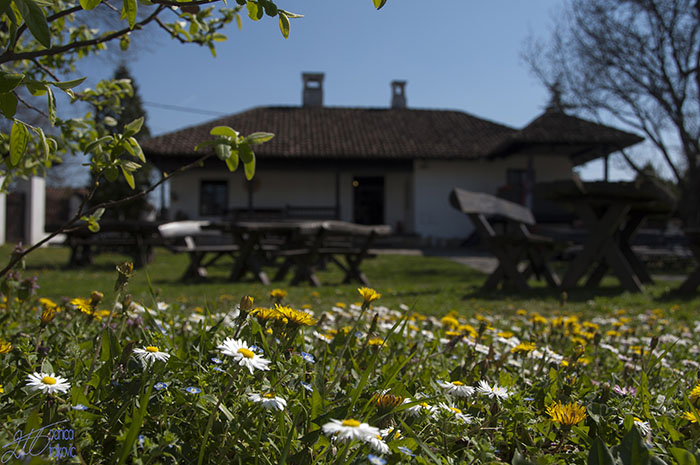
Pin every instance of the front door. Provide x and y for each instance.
(368, 199)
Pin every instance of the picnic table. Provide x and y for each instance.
(132, 237)
(693, 280)
(301, 246)
(514, 244)
(611, 213)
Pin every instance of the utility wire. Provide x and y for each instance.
(185, 109)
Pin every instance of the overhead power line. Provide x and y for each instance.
(185, 109)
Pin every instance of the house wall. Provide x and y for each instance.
(434, 180)
(275, 189)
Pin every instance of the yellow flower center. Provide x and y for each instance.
(458, 383)
(455, 410)
(424, 404)
(269, 395)
(48, 380)
(152, 349)
(246, 353)
(352, 423)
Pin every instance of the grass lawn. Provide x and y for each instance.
(428, 285)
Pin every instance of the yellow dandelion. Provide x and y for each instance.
(82, 304)
(523, 348)
(375, 341)
(521, 312)
(294, 316)
(47, 315)
(5, 347)
(695, 395)
(450, 321)
(566, 415)
(386, 401)
(690, 416)
(368, 295)
(278, 294)
(613, 333)
(340, 305)
(49, 304)
(2, 389)
(263, 313)
(506, 334)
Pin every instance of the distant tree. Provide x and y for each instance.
(111, 119)
(637, 62)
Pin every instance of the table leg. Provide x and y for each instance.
(247, 260)
(600, 231)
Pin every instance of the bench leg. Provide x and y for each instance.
(691, 282)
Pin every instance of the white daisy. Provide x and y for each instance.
(243, 354)
(269, 401)
(350, 429)
(378, 444)
(420, 408)
(47, 383)
(457, 413)
(150, 354)
(495, 392)
(456, 388)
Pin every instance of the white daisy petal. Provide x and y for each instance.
(48, 383)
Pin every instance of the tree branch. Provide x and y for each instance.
(10, 56)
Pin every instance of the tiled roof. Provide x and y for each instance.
(585, 139)
(328, 132)
(382, 133)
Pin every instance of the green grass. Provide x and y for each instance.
(429, 285)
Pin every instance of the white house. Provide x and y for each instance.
(394, 165)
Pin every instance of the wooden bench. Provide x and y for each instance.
(692, 282)
(203, 247)
(511, 246)
(134, 238)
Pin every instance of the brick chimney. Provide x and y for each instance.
(398, 94)
(312, 95)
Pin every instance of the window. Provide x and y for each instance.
(213, 198)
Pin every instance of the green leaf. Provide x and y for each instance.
(632, 450)
(129, 9)
(35, 19)
(224, 131)
(124, 42)
(599, 454)
(254, 10)
(378, 4)
(44, 143)
(259, 137)
(8, 104)
(232, 162)
(239, 23)
(8, 81)
(246, 153)
(109, 121)
(137, 149)
(134, 127)
(67, 85)
(249, 168)
(518, 459)
(89, 4)
(284, 24)
(111, 173)
(129, 177)
(37, 88)
(52, 106)
(19, 138)
(682, 456)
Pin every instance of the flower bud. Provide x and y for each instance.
(47, 315)
(96, 297)
(246, 303)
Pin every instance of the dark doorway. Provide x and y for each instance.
(368, 199)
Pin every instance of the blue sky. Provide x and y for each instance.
(455, 54)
